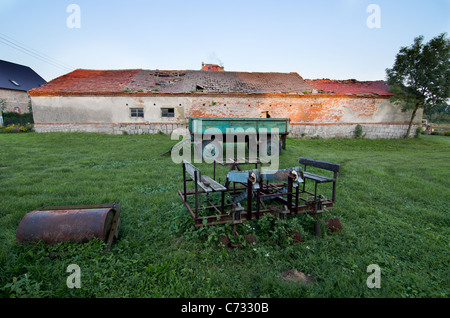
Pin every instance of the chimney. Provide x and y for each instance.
(203, 64)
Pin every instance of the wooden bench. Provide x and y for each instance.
(206, 183)
(334, 167)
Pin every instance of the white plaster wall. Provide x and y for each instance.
(104, 109)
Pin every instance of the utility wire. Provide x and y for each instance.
(29, 51)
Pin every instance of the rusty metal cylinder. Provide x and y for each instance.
(55, 225)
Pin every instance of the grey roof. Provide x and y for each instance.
(18, 77)
(219, 82)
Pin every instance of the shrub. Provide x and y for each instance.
(358, 133)
(419, 130)
(11, 129)
(12, 118)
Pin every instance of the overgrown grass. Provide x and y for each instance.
(392, 201)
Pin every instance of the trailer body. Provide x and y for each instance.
(269, 132)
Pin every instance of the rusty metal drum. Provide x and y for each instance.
(68, 224)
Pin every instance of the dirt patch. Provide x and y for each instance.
(295, 276)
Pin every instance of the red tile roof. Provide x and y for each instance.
(350, 87)
(84, 81)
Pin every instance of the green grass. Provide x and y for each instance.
(392, 200)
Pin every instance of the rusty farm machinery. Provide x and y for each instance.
(249, 194)
(76, 223)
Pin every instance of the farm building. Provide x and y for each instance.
(15, 81)
(148, 101)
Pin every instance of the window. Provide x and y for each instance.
(167, 112)
(14, 82)
(265, 114)
(137, 112)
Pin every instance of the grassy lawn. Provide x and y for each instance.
(392, 200)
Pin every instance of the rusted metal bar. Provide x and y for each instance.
(289, 195)
(249, 198)
(196, 194)
(184, 182)
(257, 203)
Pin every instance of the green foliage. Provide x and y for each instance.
(438, 114)
(13, 118)
(11, 128)
(420, 76)
(358, 133)
(419, 130)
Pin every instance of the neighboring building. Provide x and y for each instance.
(15, 81)
(212, 67)
(148, 101)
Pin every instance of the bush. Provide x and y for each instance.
(11, 129)
(12, 118)
(358, 133)
(419, 130)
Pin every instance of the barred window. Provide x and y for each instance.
(137, 112)
(167, 112)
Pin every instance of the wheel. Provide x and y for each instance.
(211, 150)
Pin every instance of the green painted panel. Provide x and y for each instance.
(200, 125)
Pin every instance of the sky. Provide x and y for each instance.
(336, 39)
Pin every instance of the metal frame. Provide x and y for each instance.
(291, 202)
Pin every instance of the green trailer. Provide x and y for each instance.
(255, 132)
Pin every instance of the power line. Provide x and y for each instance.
(35, 51)
(31, 52)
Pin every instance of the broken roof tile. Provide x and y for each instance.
(350, 87)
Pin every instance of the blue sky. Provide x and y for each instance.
(317, 39)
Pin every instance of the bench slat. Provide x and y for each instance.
(216, 186)
(320, 164)
(317, 177)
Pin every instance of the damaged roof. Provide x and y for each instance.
(350, 87)
(176, 82)
(119, 82)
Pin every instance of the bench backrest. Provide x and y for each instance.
(192, 170)
(320, 164)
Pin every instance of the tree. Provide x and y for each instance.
(420, 77)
